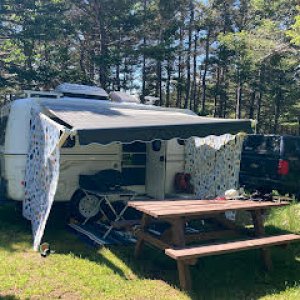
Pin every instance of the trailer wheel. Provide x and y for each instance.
(85, 207)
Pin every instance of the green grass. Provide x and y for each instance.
(78, 271)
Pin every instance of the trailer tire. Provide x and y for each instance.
(84, 207)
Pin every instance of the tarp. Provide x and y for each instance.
(105, 122)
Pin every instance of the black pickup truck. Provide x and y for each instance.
(271, 162)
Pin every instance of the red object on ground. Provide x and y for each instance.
(283, 167)
(182, 182)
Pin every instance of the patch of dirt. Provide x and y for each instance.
(64, 295)
(58, 295)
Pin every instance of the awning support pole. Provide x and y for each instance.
(66, 133)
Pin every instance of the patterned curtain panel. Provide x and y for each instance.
(214, 164)
(42, 171)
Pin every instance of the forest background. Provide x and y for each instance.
(228, 59)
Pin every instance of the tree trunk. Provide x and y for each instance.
(195, 73)
(131, 78)
(239, 90)
(159, 69)
(144, 75)
(28, 52)
(199, 88)
(179, 81)
(188, 59)
(144, 58)
(217, 92)
(203, 103)
(82, 60)
(91, 66)
(125, 75)
(278, 102)
(168, 83)
(161, 101)
(103, 70)
(238, 110)
(158, 86)
(252, 102)
(223, 92)
(118, 82)
(260, 95)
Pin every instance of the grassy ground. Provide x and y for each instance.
(78, 271)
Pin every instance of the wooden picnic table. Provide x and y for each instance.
(174, 239)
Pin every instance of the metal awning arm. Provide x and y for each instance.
(66, 133)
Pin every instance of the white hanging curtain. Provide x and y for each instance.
(214, 164)
(42, 172)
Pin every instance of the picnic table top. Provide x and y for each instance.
(184, 208)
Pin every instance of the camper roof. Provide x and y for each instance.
(82, 91)
(105, 122)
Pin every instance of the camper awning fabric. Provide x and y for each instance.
(105, 122)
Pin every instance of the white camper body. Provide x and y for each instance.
(159, 167)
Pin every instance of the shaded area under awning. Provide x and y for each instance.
(106, 122)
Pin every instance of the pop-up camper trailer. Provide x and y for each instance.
(78, 131)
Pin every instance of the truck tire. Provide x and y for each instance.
(84, 207)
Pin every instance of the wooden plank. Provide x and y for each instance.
(184, 275)
(125, 223)
(206, 210)
(258, 222)
(228, 224)
(140, 242)
(174, 202)
(185, 209)
(209, 250)
(167, 236)
(227, 205)
(178, 239)
(178, 232)
(176, 205)
(179, 206)
(260, 231)
(152, 240)
(213, 235)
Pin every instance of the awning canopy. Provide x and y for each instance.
(105, 122)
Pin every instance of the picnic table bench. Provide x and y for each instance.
(174, 239)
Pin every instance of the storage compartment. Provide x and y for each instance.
(134, 166)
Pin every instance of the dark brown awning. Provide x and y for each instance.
(105, 122)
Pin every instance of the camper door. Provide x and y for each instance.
(156, 169)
